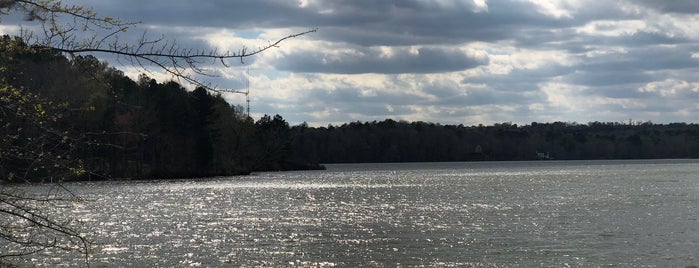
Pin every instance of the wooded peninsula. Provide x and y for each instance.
(77, 118)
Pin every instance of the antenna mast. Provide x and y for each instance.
(247, 90)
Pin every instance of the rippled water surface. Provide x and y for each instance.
(501, 214)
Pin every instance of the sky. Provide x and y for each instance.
(443, 61)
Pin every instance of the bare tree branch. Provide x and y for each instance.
(103, 38)
(25, 219)
(34, 229)
(172, 59)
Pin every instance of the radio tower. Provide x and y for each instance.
(247, 90)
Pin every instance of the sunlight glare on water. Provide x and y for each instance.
(623, 213)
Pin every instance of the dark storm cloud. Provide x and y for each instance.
(356, 22)
(370, 60)
(608, 78)
(374, 23)
(219, 13)
(370, 23)
(611, 51)
(634, 67)
(431, 24)
(672, 6)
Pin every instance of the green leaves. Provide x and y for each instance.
(32, 146)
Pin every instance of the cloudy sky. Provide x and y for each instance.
(445, 61)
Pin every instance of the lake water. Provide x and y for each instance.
(489, 214)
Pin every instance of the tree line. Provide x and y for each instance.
(401, 141)
(78, 116)
(64, 119)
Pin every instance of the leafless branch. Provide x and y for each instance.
(34, 230)
(103, 38)
(75, 30)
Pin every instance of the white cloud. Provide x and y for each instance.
(448, 61)
(9, 29)
(506, 58)
(481, 5)
(597, 51)
(556, 8)
(223, 39)
(680, 26)
(476, 5)
(565, 96)
(669, 87)
(612, 28)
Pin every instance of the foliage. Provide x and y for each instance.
(78, 30)
(129, 129)
(78, 119)
(391, 141)
(34, 146)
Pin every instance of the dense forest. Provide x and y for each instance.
(79, 118)
(392, 141)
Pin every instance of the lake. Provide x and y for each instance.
(486, 214)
